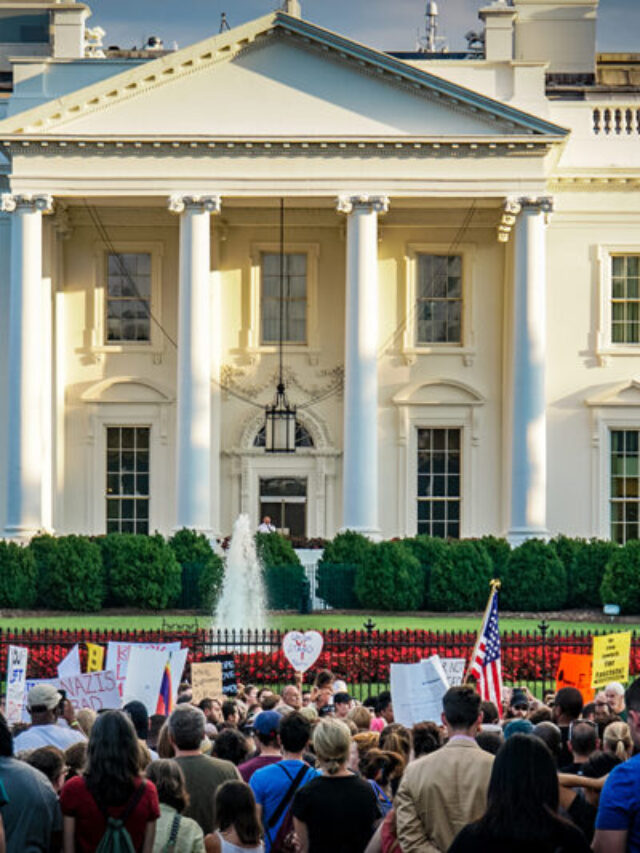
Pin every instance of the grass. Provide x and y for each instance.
(319, 621)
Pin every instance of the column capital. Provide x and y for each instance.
(362, 201)
(537, 203)
(10, 202)
(179, 202)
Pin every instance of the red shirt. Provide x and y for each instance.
(77, 802)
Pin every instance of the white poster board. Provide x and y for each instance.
(118, 657)
(417, 690)
(145, 669)
(16, 679)
(70, 665)
(96, 690)
(454, 669)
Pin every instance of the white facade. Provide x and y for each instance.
(462, 241)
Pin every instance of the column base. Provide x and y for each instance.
(517, 535)
(22, 535)
(371, 533)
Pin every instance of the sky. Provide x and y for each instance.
(383, 24)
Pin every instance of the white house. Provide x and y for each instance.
(461, 286)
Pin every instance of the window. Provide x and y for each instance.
(127, 476)
(128, 298)
(303, 437)
(625, 479)
(625, 299)
(439, 466)
(294, 308)
(439, 299)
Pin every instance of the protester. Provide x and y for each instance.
(230, 712)
(384, 708)
(31, 814)
(383, 771)
(614, 694)
(290, 700)
(203, 774)
(550, 735)
(396, 738)
(337, 811)
(75, 757)
(51, 761)
(617, 740)
(578, 798)
(173, 827)
(601, 706)
(342, 705)
(111, 785)
(231, 745)
(442, 792)
(361, 717)
(266, 727)
(361, 743)
(567, 706)
(522, 810)
(237, 824)
(518, 704)
(275, 786)
(85, 718)
(425, 738)
(45, 706)
(583, 742)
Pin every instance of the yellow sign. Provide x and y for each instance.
(95, 658)
(611, 659)
(206, 681)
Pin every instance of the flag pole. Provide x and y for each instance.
(495, 585)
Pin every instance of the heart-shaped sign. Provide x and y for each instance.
(302, 650)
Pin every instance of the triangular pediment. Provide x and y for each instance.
(277, 77)
(626, 394)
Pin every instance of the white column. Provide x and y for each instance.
(528, 517)
(27, 360)
(360, 467)
(193, 447)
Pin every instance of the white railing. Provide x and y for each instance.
(616, 121)
(310, 557)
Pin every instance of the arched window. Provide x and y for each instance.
(303, 437)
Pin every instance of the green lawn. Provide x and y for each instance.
(111, 621)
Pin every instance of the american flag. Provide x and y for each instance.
(485, 663)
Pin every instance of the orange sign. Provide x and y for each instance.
(575, 671)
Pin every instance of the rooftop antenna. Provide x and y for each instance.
(224, 24)
(431, 42)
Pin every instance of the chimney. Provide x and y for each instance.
(498, 31)
(292, 7)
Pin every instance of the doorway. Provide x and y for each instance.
(284, 500)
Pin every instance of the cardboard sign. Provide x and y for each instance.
(454, 670)
(206, 681)
(611, 658)
(16, 679)
(95, 690)
(118, 658)
(417, 690)
(95, 658)
(302, 650)
(145, 668)
(70, 665)
(229, 681)
(575, 671)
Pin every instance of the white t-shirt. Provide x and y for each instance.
(266, 528)
(47, 735)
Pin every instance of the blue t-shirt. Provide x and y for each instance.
(269, 785)
(619, 807)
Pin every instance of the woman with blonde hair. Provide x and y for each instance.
(361, 716)
(617, 740)
(336, 811)
(360, 745)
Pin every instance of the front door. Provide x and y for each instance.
(284, 500)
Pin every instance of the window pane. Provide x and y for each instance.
(294, 292)
(438, 482)
(128, 297)
(625, 293)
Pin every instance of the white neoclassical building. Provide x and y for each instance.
(460, 297)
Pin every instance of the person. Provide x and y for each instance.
(276, 784)
(203, 774)
(426, 738)
(140, 719)
(618, 820)
(583, 741)
(230, 712)
(111, 786)
(601, 707)
(31, 814)
(383, 770)
(337, 811)
(342, 705)
(212, 710)
(237, 825)
(266, 728)
(550, 735)
(442, 792)
(45, 706)
(567, 706)
(522, 808)
(614, 694)
(580, 801)
(51, 761)
(518, 704)
(617, 740)
(396, 738)
(290, 700)
(75, 758)
(361, 717)
(173, 826)
(231, 745)
(266, 526)
(384, 708)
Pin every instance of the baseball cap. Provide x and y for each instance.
(518, 697)
(267, 723)
(44, 695)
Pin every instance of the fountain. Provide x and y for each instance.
(242, 603)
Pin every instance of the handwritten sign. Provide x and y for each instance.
(574, 670)
(95, 690)
(454, 670)
(302, 650)
(206, 681)
(611, 658)
(417, 690)
(95, 657)
(229, 680)
(16, 678)
(118, 657)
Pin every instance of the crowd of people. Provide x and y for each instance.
(318, 772)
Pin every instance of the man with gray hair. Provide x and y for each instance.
(614, 694)
(203, 774)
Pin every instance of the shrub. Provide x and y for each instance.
(498, 550)
(427, 550)
(275, 550)
(337, 570)
(70, 574)
(390, 579)
(201, 567)
(349, 548)
(586, 572)
(18, 576)
(621, 581)
(141, 571)
(460, 578)
(534, 578)
(287, 587)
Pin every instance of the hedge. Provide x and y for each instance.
(141, 571)
(70, 573)
(390, 579)
(201, 567)
(18, 576)
(460, 578)
(534, 578)
(621, 582)
(427, 550)
(336, 577)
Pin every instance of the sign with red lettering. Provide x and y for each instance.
(95, 690)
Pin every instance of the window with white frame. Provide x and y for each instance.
(291, 310)
(438, 299)
(439, 487)
(625, 299)
(624, 485)
(128, 298)
(127, 479)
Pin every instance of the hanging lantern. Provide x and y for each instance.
(280, 423)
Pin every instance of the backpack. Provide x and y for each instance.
(285, 840)
(116, 838)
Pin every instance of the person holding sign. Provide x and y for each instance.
(45, 706)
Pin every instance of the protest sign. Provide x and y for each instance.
(118, 658)
(229, 682)
(70, 664)
(302, 650)
(95, 690)
(95, 657)
(145, 668)
(611, 659)
(206, 681)
(417, 690)
(16, 678)
(454, 670)
(575, 671)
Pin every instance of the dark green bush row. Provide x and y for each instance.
(425, 573)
